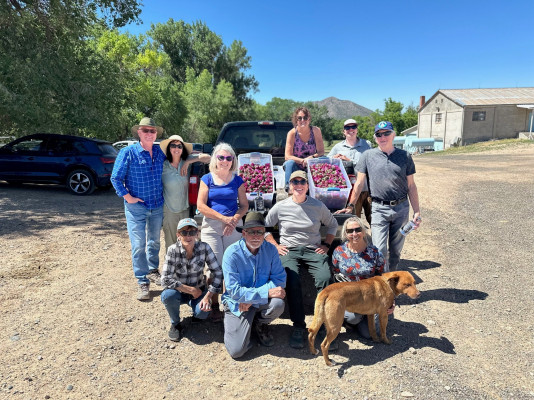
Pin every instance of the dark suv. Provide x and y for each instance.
(81, 164)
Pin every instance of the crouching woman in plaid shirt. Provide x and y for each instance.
(183, 277)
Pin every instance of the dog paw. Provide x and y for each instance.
(387, 341)
(332, 363)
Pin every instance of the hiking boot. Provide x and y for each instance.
(143, 291)
(176, 332)
(154, 277)
(264, 335)
(297, 338)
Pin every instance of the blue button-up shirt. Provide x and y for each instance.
(137, 173)
(249, 277)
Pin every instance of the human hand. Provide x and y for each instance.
(244, 307)
(322, 249)
(305, 161)
(185, 166)
(132, 200)
(228, 230)
(205, 303)
(282, 250)
(345, 210)
(416, 220)
(277, 292)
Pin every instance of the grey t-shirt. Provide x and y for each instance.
(299, 223)
(387, 173)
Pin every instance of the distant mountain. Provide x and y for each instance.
(341, 109)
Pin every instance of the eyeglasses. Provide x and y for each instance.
(305, 118)
(145, 130)
(355, 230)
(257, 232)
(349, 127)
(176, 146)
(227, 158)
(299, 181)
(191, 232)
(379, 134)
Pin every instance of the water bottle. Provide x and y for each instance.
(409, 227)
(259, 204)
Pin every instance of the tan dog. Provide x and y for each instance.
(368, 297)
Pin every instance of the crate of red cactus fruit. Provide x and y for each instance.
(329, 182)
(256, 169)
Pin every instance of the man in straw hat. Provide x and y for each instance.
(255, 280)
(136, 177)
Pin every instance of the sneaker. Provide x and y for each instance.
(143, 291)
(176, 332)
(154, 277)
(297, 338)
(263, 334)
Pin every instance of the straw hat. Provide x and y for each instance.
(146, 122)
(164, 143)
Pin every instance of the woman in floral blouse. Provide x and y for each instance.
(354, 260)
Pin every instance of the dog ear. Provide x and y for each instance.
(393, 281)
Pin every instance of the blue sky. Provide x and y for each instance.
(366, 51)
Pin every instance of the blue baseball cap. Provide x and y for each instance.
(187, 222)
(384, 125)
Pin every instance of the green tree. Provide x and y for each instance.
(48, 70)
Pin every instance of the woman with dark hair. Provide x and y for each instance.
(303, 143)
(175, 178)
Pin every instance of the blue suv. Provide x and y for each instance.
(82, 164)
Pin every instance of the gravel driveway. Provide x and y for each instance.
(71, 327)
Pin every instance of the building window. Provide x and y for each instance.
(479, 115)
(438, 118)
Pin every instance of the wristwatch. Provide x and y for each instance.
(323, 243)
(350, 205)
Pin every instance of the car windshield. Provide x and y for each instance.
(263, 138)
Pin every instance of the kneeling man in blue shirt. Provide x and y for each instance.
(255, 280)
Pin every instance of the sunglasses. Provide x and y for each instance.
(349, 127)
(191, 232)
(356, 230)
(176, 146)
(299, 181)
(227, 158)
(145, 130)
(257, 232)
(302, 118)
(380, 134)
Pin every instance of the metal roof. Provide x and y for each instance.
(475, 97)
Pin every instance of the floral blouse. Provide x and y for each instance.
(357, 266)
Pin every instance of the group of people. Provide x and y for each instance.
(253, 271)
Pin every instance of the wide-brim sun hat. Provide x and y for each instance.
(164, 143)
(254, 220)
(146, 122)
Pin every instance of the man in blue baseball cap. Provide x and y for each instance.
(391, 184)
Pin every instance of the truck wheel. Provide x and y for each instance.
(80, 182)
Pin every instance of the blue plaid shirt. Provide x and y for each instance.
(136, 173)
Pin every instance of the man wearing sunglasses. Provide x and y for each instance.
(183, 277)
(255, 280)
(136, 177)
(349, 151)
(391, 182)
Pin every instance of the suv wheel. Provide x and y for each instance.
(80, 182)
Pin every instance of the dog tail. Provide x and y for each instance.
(318, 314)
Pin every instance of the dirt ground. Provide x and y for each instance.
(72, 328)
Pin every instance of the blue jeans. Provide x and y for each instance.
(144, 227)
(173, 299)
(386, 221)
(290, 166)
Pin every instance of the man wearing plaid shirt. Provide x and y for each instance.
(183, 277)
(136, 177)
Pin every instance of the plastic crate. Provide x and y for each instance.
(333, 198)
(260, 159)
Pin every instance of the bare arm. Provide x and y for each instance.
(414, 200)
(290, 142)
(319, 144)
(201, 157)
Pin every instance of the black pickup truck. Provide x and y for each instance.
(267, 137)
